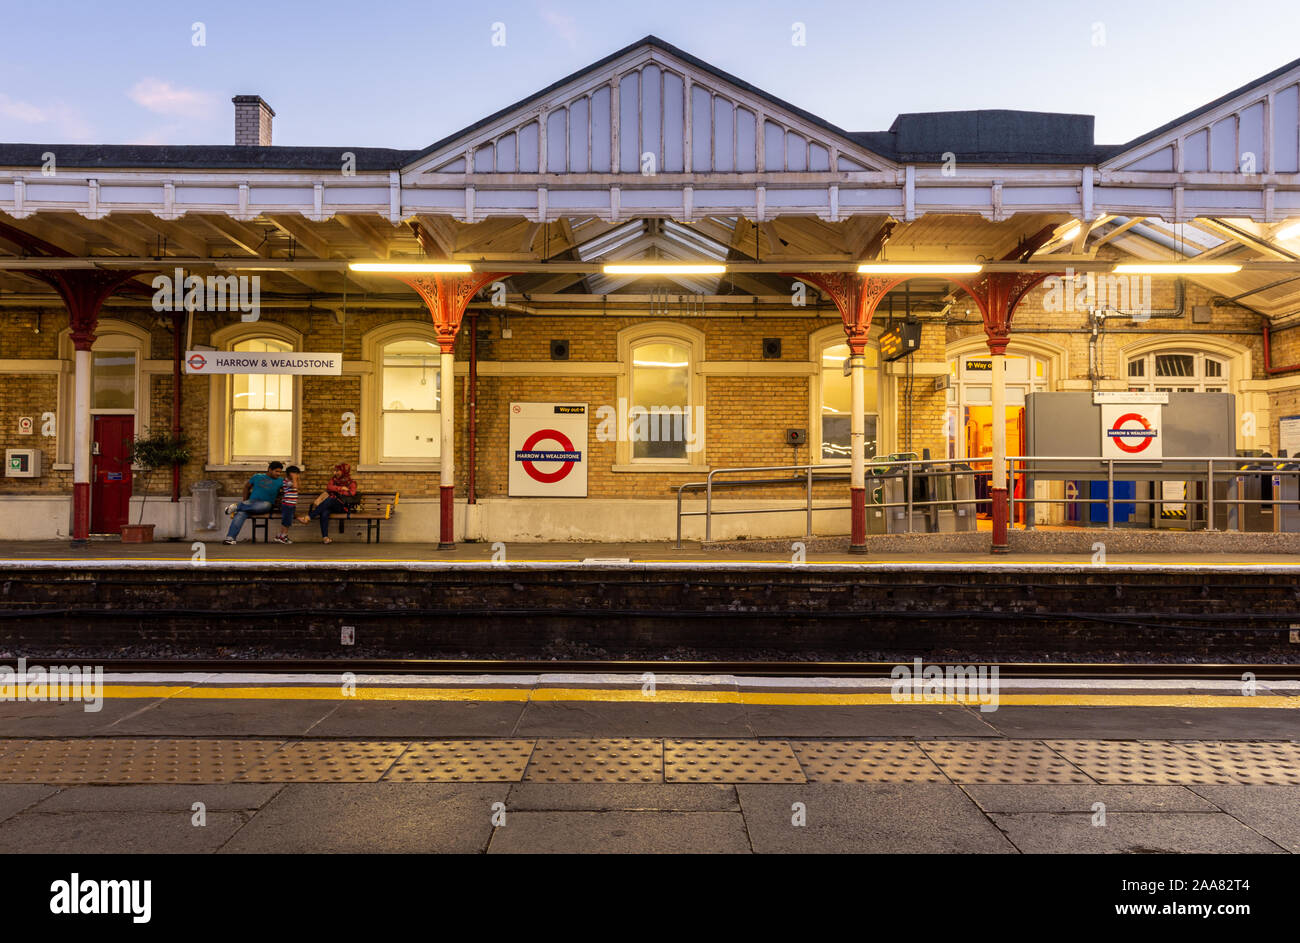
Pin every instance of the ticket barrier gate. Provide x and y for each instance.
(1236, 500)
(1285, 489)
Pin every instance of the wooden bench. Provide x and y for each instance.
(375, 508)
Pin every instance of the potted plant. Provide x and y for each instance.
(150, 452)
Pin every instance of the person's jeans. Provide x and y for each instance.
(242, 510)
(287, 512)
(330, 505)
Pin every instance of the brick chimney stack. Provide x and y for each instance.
(252, 121)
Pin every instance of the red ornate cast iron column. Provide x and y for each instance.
(856, 296)
(84, 292)
(997, 294)
(447, 296)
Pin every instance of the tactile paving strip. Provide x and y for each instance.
(731, 761)
(596, 761)
(865, 761)
(1139, 762)
(475, 761)
(1001, 762)
(1253, 764)
(325, 761)
(131, 760)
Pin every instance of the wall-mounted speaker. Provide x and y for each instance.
(559, 350)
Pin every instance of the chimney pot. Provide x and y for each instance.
(252, 121)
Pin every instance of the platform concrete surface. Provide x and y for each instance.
(311, 552)
(499, 818)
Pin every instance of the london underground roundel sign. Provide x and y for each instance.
(1130, 438)
(1129, 431)
(530, 454)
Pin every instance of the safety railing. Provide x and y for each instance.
(930, 486)
(1234, 473)
(811, 474)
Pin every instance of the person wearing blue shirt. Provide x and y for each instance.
(259, 494)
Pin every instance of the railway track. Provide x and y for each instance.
(783, 669)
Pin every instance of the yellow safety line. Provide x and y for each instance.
(1082, 560)
(668, 695)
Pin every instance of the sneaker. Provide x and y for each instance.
(230, 509)
(230, 541)
(282, 539)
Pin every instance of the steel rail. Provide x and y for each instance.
(800, 669)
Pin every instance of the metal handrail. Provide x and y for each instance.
(707, 486)
(1178, 468)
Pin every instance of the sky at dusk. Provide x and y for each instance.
(404, 74)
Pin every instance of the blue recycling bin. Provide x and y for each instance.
(1124, 510)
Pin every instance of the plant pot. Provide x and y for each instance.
(137, 533)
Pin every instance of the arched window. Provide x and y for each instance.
(261, 408)
(661, 397)
(660, 401)
(1177, 371)
(408, 401)
(254, 417)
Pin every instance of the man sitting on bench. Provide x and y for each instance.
(259, 494)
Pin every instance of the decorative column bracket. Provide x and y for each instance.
(447, 297)
(998, 294)
(856, 297)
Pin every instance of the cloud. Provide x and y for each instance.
(563, 24)
(163, 98)
(56, 120)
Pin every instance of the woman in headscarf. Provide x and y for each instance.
(335, 499)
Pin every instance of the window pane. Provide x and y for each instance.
(660, 388)
(1137, 368)
(112, 379)
(1213, 368)
(262, 433)
(979, 394)
(261, 424)
(413, 435)
(836, 438)
(1175, 365)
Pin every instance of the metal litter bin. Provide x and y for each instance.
(1286, 516)
(204, 500)
(963, 488)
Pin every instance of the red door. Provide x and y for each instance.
(110, 480)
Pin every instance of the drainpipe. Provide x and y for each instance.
(177, 354)
(473, 403)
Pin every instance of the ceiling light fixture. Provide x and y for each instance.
(412, 268)
(1177, 268)
(659, 268)
(917, 268)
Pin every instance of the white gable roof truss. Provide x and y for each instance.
(647, 135)
(1239, 158)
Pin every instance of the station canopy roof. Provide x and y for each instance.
(654, 154)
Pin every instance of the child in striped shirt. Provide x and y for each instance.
(288, 503)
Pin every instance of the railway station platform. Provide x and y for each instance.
(604, 763)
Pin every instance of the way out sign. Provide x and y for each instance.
(548, 450)
(1131, 430)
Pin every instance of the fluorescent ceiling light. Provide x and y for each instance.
(411, 267)
(658, 268)
(1177, 268)
(917, 268)
(1288, 232)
